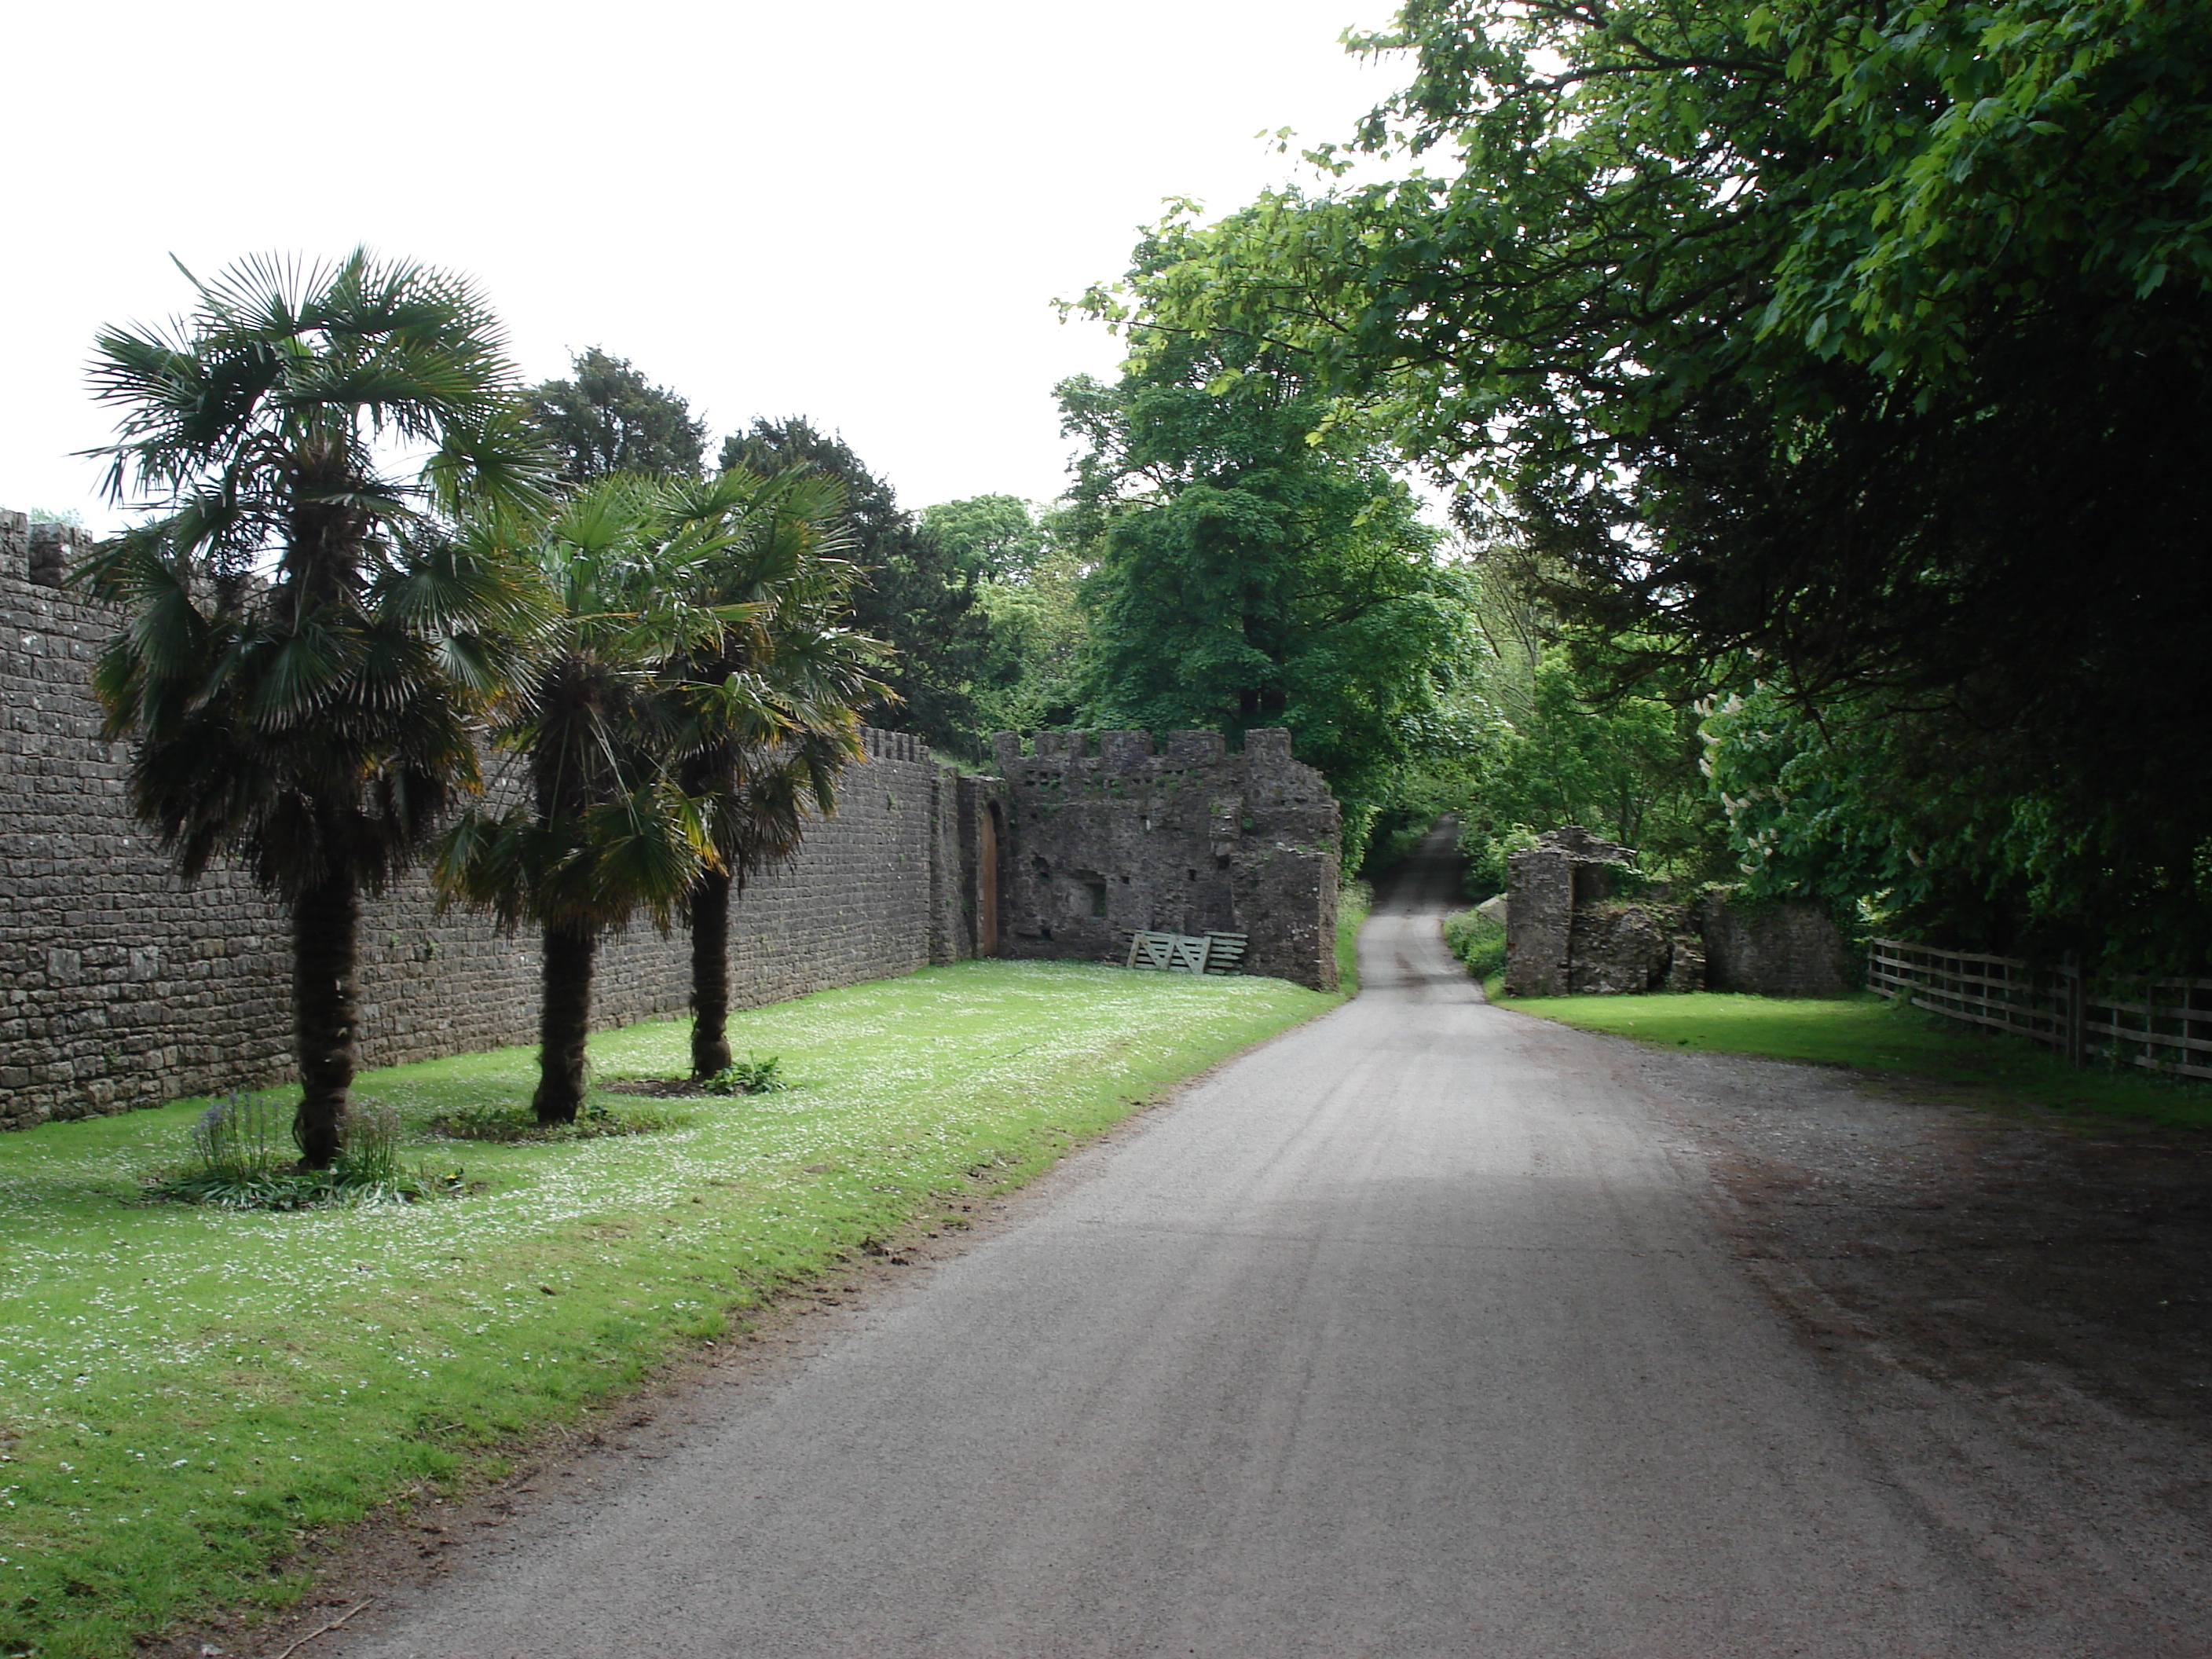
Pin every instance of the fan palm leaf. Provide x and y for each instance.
(302, 644)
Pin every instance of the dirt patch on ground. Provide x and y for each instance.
(2015, 1307)
(658, 1088)
(1987, 1247)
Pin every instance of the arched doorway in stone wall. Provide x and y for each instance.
(987, 881)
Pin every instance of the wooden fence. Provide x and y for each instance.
(2167, 1029)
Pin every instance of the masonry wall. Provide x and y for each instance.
(119, 987)
(1192, 839)
(1782, 948)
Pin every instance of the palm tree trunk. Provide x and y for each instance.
(710, 974)
(326, 1022)
(564, 1021)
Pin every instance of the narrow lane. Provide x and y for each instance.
(1404, 1335)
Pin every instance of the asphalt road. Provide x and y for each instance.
(1406, 1334)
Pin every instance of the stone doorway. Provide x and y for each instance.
(986, 882)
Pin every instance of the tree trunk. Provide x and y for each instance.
(564, 1020)
(325, 1022)
(710, 974)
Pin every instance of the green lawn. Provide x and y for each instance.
(1867, 1032)
(187, 1395)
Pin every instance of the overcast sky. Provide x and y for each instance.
(859, 213)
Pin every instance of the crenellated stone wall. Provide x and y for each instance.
(1104, 844)
(120, 988)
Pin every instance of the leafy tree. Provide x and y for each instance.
(915, 596)
(999, 537)
(1029, 587)
(609, 418)
(1041, 641)
(303, 645)
(1898, 821)
(1865, 342)
(1623, 764)
(603, 830)
(1255, 567)
(764, 709)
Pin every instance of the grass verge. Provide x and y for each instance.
(1868, 1033)
(188, 1396)
(1353, 902)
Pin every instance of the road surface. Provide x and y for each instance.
(1409, 1333)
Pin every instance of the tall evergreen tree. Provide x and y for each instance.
(609, 418)
(914, 595)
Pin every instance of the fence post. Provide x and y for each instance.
(2077, 1047)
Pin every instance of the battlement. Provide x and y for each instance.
(40, 552)
(1114, 837)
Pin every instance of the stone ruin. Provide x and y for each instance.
(1567, 935)
(1570, 932)
(1100, 846)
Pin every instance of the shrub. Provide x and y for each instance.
(752, 1075)
(243, 1158)
(1478, 941)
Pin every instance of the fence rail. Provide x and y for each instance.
(2168, 1028)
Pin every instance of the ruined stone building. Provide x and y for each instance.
(1190, 840)
(1571, 930)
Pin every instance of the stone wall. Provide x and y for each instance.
(1568, 934)
(120, 988)
(1782, 948)
(1190, 840)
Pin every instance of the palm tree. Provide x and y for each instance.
(603, 830)
(767, 708)
(302, 643)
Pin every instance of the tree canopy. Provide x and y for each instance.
(1253, 568)
(1859, 350)
(914, 594)
(608, 418)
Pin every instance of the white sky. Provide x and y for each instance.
(859, 213)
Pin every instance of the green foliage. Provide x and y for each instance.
(511, 1123)
(303, 641)
(1478, 941)
(999, 537)
(1030, 588)
(240, 1160)
(1902, 820)
(1624, 765)
(601, 830)
(753, 1075)
(1256, 567)
(609, 418)
(1041, 645)
(242, 1136)
(916, 594)
(1812, 335)
(1355, 902)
